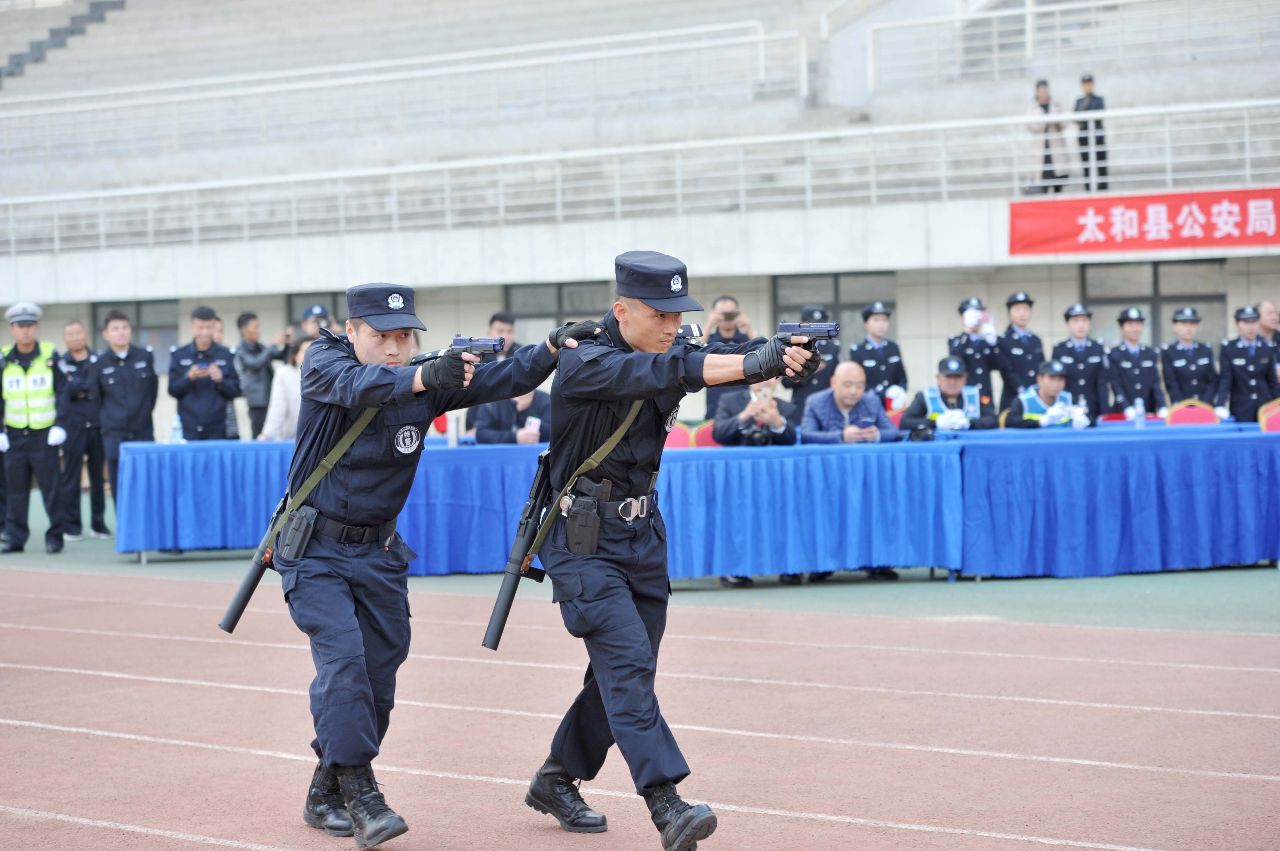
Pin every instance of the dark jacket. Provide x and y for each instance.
(498, 422)
(1089, 103)
(1248, 378)
(729, 432)
(83, 411)
(1086, 375)
(1019, 358)
(981, 359)
(824, 422)
(802, 389)
(1189, 373)
(714, 393)
(1135, 376)
(917, 413)
(882, 364)
(253, 364)
(126, 387)
(202, 404)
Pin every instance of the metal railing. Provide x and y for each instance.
(1040, 39)
(1216, 145)
(22, 5)
(701, 72)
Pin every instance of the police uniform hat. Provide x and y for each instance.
(1076, 310)
(660, 281)
(814, 313)
(952, 366)
(386, 307)
(1052, 367)
(24, 313)
(1019, 297)
(315, 311)
(1131, 314)
(1086, 78)
(875, 307)
(1248, 313)
(971, 303)
(1186, 314)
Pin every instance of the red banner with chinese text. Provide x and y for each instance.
(1101, 223)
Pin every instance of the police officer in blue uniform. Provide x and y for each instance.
(880, 357)
(203, 378)
(607, 555)
(976, 346)
(1248, 366)
(347, 587)
(828, 350)
(1085, 361)
(951, 404)
(1187, 363)
(84, 437)
(1133, 372)
(1021, 352)
(124, 384)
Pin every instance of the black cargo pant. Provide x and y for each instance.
(30, 456)
(83, 443)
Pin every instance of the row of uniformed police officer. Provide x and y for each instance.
(1101, 379)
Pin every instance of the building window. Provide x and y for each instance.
(1158, 289)
(155, 324)
(843, 295)
(540, 307)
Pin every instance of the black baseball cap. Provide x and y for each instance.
(386, 307)
(659, 280)
(952, 366)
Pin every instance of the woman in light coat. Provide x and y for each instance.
(1048, 165)
(286, 396)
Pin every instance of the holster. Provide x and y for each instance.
(296, 532)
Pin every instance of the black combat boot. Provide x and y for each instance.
(680, 825)
(324, 809)
(556, 793)
(372, 821)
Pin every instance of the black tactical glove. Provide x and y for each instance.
(765, 362)
(812, 365)
(447, 372)
(573, 331)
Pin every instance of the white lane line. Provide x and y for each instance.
(608, 793)
(693, 728)
(716, 678)
(728, 639)
(44, 815)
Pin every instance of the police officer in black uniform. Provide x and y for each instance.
(1021, 352)
(880, 357)
(124, 384)
(801, 389)
(84, 437)
(976, 346)
(1187, 363)
(1086, 363)
(607, 553)
(347, 585)
(1133, 372)
(1248, 365)
(203, 378)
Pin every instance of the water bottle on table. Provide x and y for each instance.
(1139, 413)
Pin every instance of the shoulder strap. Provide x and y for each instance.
(586, 466)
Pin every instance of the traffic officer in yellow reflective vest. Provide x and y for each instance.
(1048, 404)
(29, 405)
(951, 404)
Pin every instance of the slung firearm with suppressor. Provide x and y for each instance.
(288, 508)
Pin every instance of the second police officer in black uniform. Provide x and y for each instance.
(976, 346)
(1021, 351)
(84, 437)
(1086, 363)
(1248, 366)
(203, 378)
(125, 385)
(880, 357)
(1187, 363)
(607, 553)
(1134, 375)
(829, 351)
(347, 587)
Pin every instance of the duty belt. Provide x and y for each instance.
(630, 509)
(344, 534)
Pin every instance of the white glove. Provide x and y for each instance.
(897, 397)
(951, 420)
(1162, 413)
(989, 333)
(1222, 412)
(971, 317)
(4, 442)
(1130, 412)
(57, 436)
(1056, 415)
(1079, 419)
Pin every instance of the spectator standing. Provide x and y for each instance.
(1048, 153)
(203, 378)
(1268, 320)
(976, 346)
(951, 404)
(803, 388)
(1248, 366)
(1132, 369)
(253, 363)
(1187, 364)
(84, 437)
(125, 384)
(728, 324)
(502, 325)
(286, 395)
(232, 427)
(880, 357)
(1048, 404)
(1020, 352)
(313, 319)
(1085, 361)
(525, 420)
(847, 412)
(1092, 129)
(32, 408)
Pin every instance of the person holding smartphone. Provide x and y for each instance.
(203, 378)
(847, 412)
